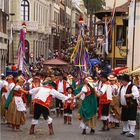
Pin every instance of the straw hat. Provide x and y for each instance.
(37, 77)
(112, 77)
(21, 79)
(90, 81)
(70, 76)
(2, 74)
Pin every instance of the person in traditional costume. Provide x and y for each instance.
(11, 85)
(69, 106)
(61, 85)
(4, 91)
(114, 115)
(16, 109)
(98, 84)
(105, 98)
(35, 83)
(42, 98)
(128, 98)
(88, 108)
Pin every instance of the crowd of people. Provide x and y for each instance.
(111, 98)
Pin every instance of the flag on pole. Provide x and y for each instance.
(106, 37)
(114, 10)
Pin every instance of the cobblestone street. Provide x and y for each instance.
(62, 132)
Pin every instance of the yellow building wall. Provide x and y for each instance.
(115, 53)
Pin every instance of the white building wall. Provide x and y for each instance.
(110, 3)
(137, 38)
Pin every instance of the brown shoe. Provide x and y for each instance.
(51, 132)
(69, 120)
(65, 119)
(32, 129)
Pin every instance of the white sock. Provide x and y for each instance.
(132, 125)
(125, 126)
(132, 129)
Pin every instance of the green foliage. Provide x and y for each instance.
(94, 5)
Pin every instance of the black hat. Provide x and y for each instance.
(119, 77)
(69, 88)
(50, 82)
(125, 77)
(103, 75)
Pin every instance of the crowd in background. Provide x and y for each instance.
(115, 98)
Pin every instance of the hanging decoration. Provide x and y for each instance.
(109, 27)
(79, 56)
(22, 65)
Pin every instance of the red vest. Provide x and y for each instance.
(64, 86)
(103, 97)
(48, 100)
(71, 103)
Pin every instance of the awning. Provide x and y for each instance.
(119, 70)
(55, 61)
(136, 71)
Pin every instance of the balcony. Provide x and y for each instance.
(31, 27)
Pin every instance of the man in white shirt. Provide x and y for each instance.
(42, 99)
(61, 86)
(104, 101)
(128, 98)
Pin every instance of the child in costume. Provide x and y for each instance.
(68, 106)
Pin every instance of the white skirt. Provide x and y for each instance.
(19, 104)
(112, 119)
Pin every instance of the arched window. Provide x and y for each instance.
(25, 10)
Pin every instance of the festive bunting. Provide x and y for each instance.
(22, 65)
(79, 56)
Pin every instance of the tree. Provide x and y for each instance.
(92, 7)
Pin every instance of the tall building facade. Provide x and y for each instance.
(133, 58)
(48, 26)
(4, 12)
(37, 16)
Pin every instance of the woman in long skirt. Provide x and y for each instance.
(88, 108)
(16, 110)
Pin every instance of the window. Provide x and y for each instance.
(121, 35)
(55, 17)
(25, 10)
(34, 11)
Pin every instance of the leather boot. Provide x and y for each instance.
(104, 124)
(65, 119)
(61, 113)
(107, 125)
(17, 126)
(92, 131)
(57, 112)
(69, 120)
(13, 126)
(51, 132)
(32, 129)
(84, 132)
